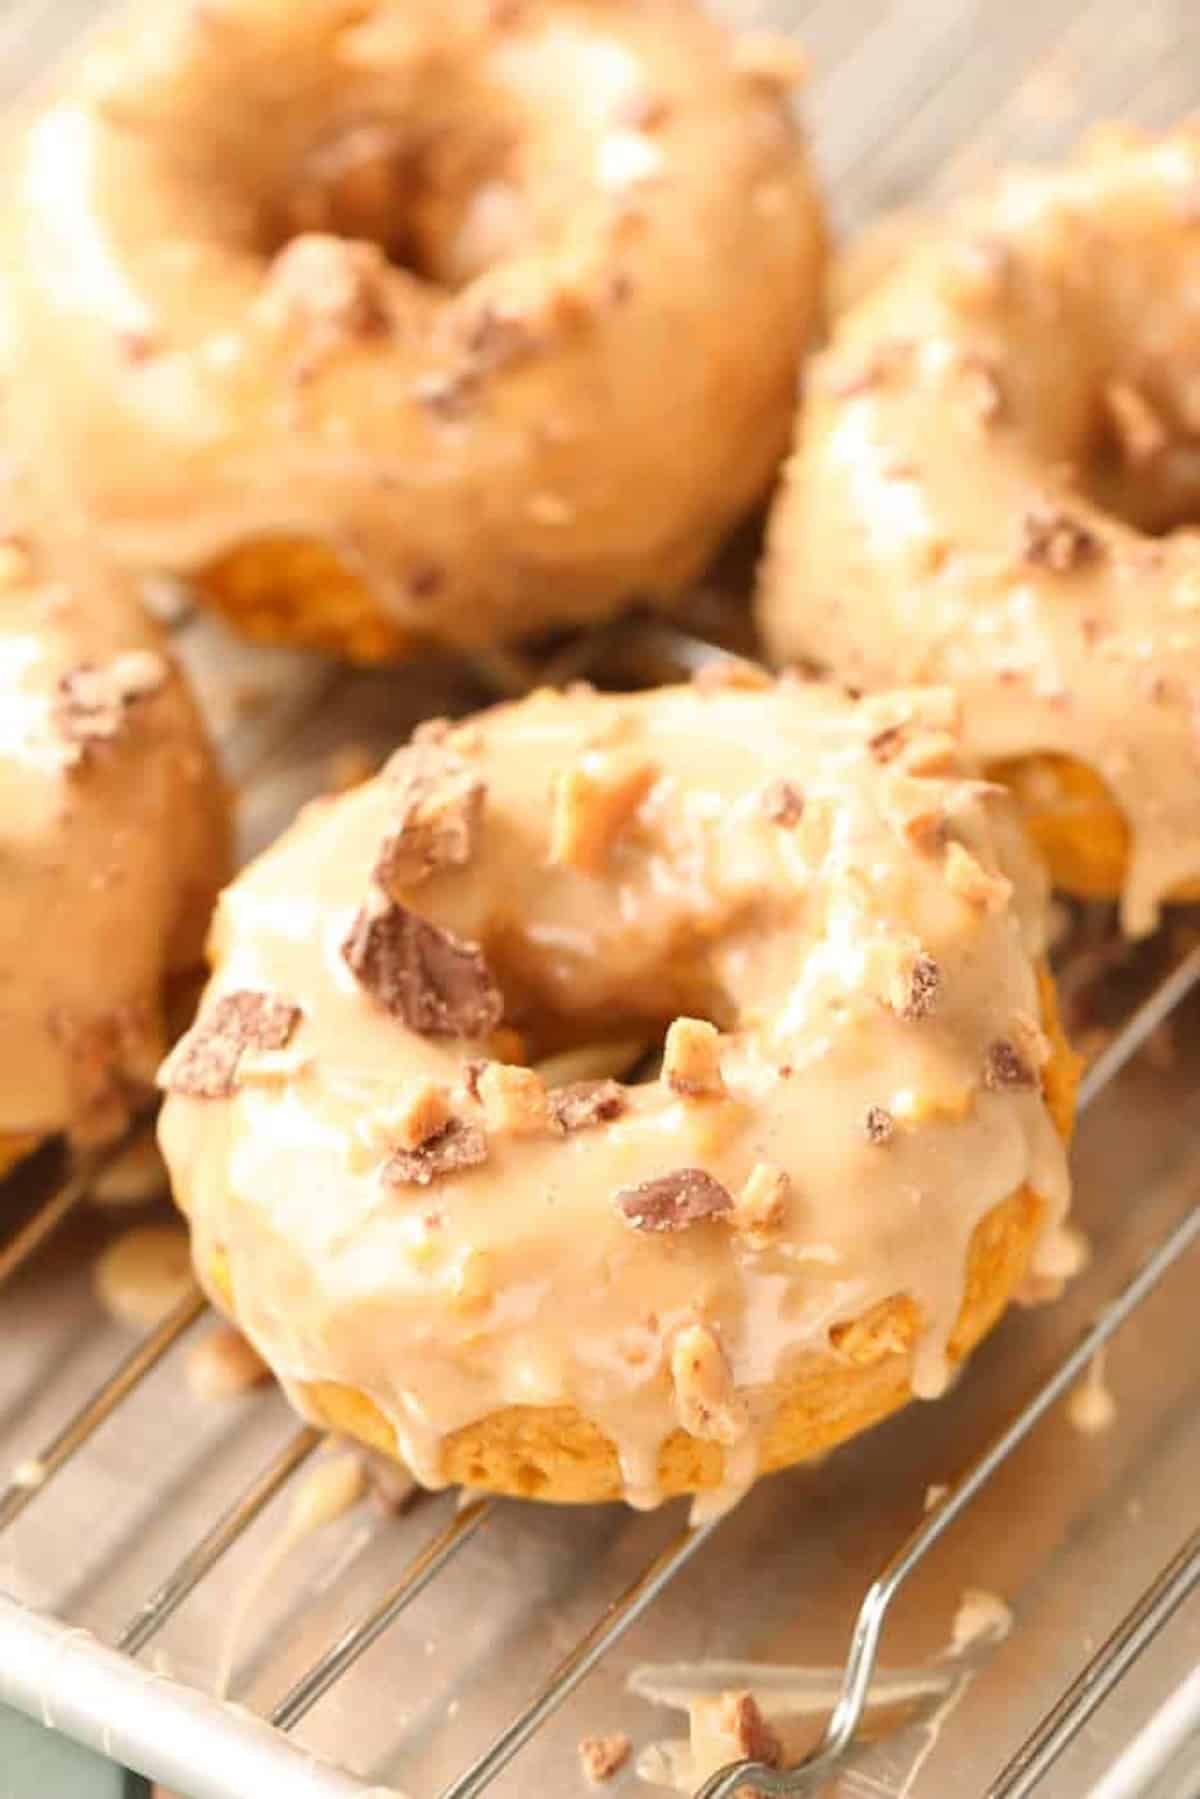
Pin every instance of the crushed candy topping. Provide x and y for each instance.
(458, 1145)
(435, 983)
(674, 1201)
(204, 1063)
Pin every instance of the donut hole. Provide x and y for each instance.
(1141, 459)
(437, 202)
(607, 1029)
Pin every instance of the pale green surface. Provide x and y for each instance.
(42, 1764)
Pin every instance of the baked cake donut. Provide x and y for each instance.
(419, 321)
(113, 845)
(994, 478)
(850, 1161)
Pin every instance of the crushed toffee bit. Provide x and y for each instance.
(438, 811)
(494, 338)
(913, 986)
(434, 982)
(740, 1719)
(602, 1757)
(692, 1059)
(725, 673)
(514, 1099)
(1005, 1068)
(456, 1146)
(94, 700)
(1139, 430)
(967, 877)
(581, 1104)
(674, 1201)
(761, 1206)
(593, 803)
(331, 287)
(783, 803)
(422, 1113)
(879, 1125)
(706, 1399)
(1054, 540)
(886, 745)
(204, 1063)
(924, 826)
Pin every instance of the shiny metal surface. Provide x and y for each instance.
(910, 98)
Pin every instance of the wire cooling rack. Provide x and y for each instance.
(911, 99)
(47, 1667)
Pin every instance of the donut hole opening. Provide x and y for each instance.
(440, 204)
(1140, 461)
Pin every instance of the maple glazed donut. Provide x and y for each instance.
(851, 1158)
(420, 322)
(994, 479)
(113, 845)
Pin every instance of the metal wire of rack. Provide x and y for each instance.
(1147, 1617)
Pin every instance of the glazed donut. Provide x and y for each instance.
(113, 845)
(425, 321)
(995, 469)
(600, 1290)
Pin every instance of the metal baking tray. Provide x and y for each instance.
(909, 100)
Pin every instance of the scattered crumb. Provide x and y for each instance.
(935, 1493)
(143, 1273)
(601, 1757)
(981, 1617)
(729, 1728)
